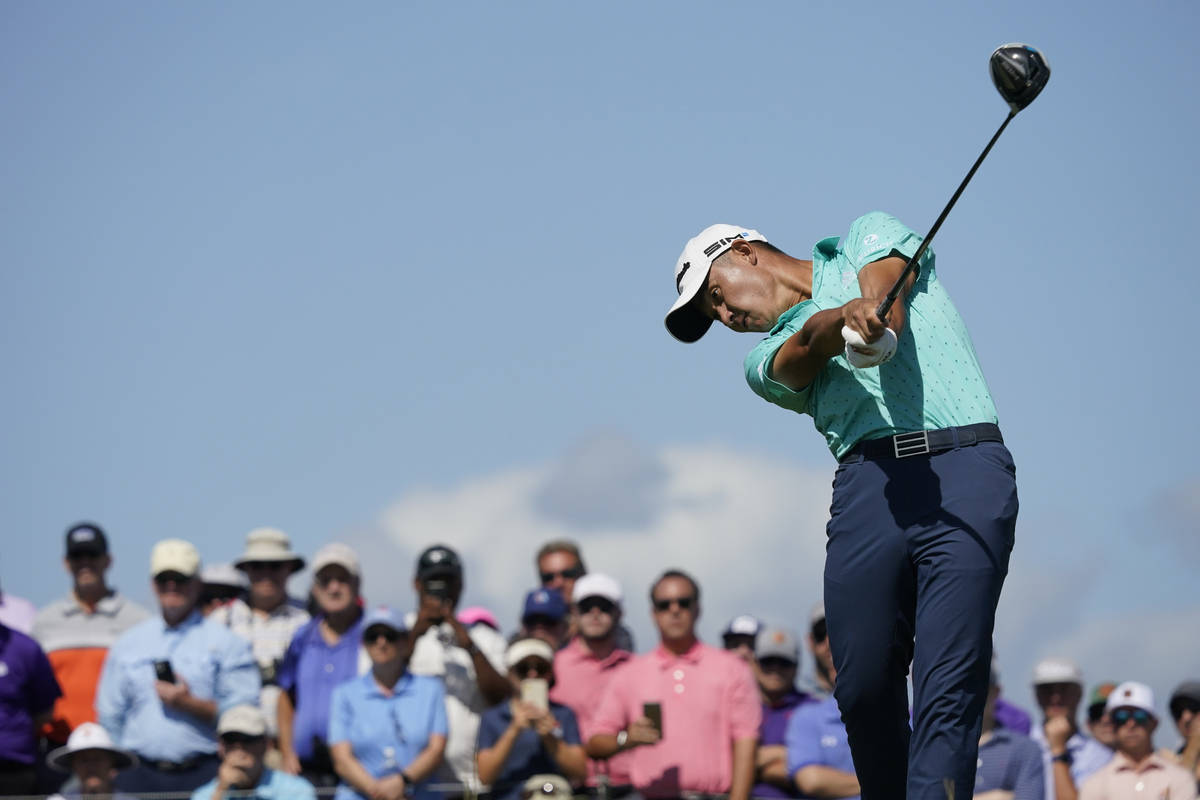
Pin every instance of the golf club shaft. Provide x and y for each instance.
(894, 292)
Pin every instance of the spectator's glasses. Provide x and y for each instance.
(1182, 704)
(565, 574)
(1095, 713)
(684, 603)
(240, 739)
(323, 580)
(535, 665)
(540, 621)
(264, 565)
(1123, 715)
(776, 664)
(602, 604)
(376, 631)
(819, 631)
(164, 579)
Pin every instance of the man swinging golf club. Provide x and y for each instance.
(924, 500)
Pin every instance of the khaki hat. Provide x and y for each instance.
(269, 544)
(522, 649)
(244, 719)
(89, 736)
(1057, 670)
(337, 553)
(174, 555)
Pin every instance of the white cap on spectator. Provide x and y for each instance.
(1132, 694)
(742, 625)
(1057, 670)
(597, 584)
(224, 575)
(89, 736)
(174, 555)
(247, 720)
(336, 553)
(817, 614)
(522, 649)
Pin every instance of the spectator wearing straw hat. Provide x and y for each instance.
(1135, 770)
(324, 652)
(267, 617)
(1069, 756)
(387, 729)
(167, 679)
(93, 762)
(242, 745)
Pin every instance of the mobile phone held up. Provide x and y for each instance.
(536, 692)
(653, 712)
(163, 671)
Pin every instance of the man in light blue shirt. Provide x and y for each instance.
(818, 754)
(242, 732)
(167, 679)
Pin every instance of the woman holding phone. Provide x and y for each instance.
(528, 735)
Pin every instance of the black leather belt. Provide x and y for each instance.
(919, 443)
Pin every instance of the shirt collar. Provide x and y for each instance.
(790, 700)
(1122, 762)
(579, 651)
(399, 687)
(665, 657)
(190, 621)
(110, 604)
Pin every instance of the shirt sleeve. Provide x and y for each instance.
(570, 725)
(803, 745)
(439, 724)
(491, 726)
(745, 712)
(491, 644)
(341, 714)
(43, 688)
(611, 715)
(1029, 782)
(238, 681)
(758, 367)
(875, 235)
(110, 705)
(286, 676)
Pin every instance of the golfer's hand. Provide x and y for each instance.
(859, 316)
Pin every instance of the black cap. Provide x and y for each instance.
(1188, 690)
(86, 538)
(439, 560)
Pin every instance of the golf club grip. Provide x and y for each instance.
(886, 306)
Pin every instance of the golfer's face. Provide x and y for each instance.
(739, 294)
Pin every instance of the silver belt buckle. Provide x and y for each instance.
(910, 444)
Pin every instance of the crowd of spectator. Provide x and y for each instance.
(232, 688)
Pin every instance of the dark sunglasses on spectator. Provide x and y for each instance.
(1095, 713)
(603, 604)
(684, 603)
(776, 663)
(540, 620)
(265, 564)
(1123, 715)
(819, 631)
(163, 578)
(375, 631)
(229, 739)
(536, 665)
(573, 572)
(325, 580)
(1182, 704)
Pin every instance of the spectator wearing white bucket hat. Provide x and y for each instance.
(1135, 769)
(93, 761)
(267, 617)
(1069, 756)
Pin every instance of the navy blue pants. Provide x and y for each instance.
(917, 553)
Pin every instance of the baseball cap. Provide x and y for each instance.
(89, 736)
(1057, 670)
(384, 615)
(817, 614)
(684, 321)
(247, 720)
(337, 553)
(223, 575)
(269, 545)
(478, 615)
(1100, 693)
(1132, 694)
(522, 649)
(742, 625)
(86, 538)
(545, 603)
(438, 560)
(1184, 692)
(597, 584)
(777, 643)
(174, 555)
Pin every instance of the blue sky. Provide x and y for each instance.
(395, 274)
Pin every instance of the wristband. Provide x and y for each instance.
(622, 738)
(1064, 758)
(407, 780)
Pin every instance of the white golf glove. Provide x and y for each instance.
(868, 355)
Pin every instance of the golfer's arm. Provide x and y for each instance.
(876, 279)
(804, 354)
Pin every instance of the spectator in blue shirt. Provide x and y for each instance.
(325, 652)
(387, 729)
(528, 735)
(1010, 764)
(818, 755)
(168, 678)
(242, 732)
(776, 659)
(28, 690)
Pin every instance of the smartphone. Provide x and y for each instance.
(162, 669)
(536, 692)
(653, 712)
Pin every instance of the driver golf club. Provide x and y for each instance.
(1020, 73)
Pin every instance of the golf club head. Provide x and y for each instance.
(1020, 73)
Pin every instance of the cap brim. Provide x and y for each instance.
(687, 324)
(296, 561)
(60, 759)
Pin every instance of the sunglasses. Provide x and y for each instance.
(325, 580)
(1123, 715)
(684, 603)
(165, 578)
(819, 631)
(596, 603)
(265, 565)
(573, 572)
(389, 635)
(775, 663)
(1183, 704)
(540, 621)
(232, 739)
(1095, 713)
(534, 665)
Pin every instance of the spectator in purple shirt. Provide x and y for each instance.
(776, 658)
(28, 690)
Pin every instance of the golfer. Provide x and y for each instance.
(924, 497)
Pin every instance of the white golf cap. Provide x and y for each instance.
(1057, 670)
(224, 575)
(269, 545)
(817, 614)
(684, 322)
(244, 719)
(522, 649)
(89, 736)
(336, 553)
(174, 555)
(597, 584)
(742, 625)
(1132, 694)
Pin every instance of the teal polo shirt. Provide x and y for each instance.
(934, 380)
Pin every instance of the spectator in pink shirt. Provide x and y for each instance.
(705, 700)
(585, 666)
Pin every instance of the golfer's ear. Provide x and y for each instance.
(743, 249)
